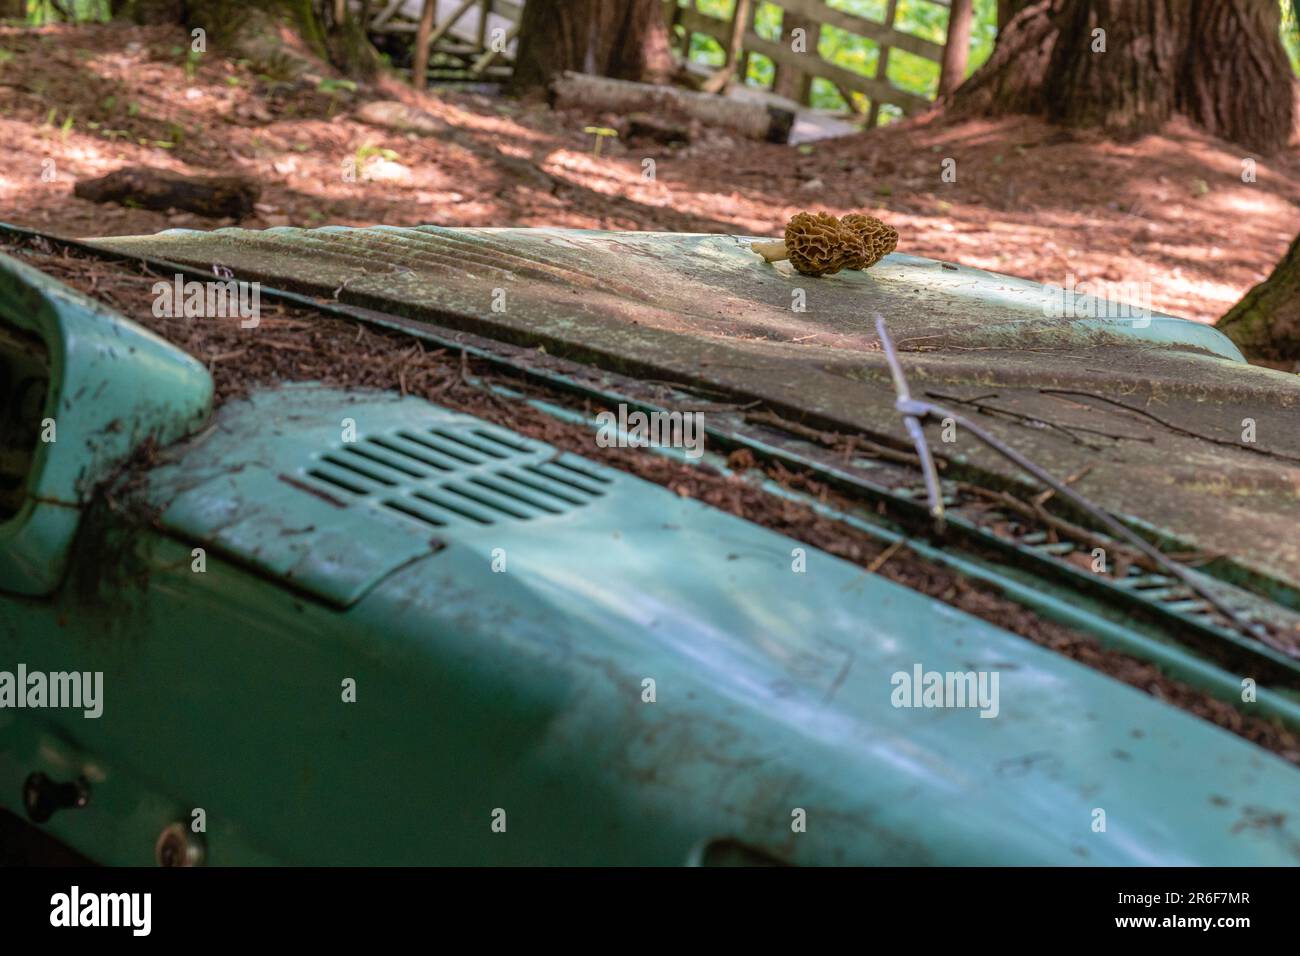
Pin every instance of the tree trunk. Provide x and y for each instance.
(734, 51)
(1126, 66)
(423, 41)
(1235, 49)
(252, 29)
(1265, 324)
(1008, 9)
(1012, 79)
(956, 51)
(13, 9)
(791, 82)
(627, 40)
(1124, 78)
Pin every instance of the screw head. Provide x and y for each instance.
(178, 846)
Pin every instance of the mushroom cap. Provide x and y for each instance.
(818, 244)
(878, 239)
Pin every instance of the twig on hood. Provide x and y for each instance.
(915, 411)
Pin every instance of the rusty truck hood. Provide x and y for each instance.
(1180, 434)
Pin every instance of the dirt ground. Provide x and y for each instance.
(1029, 200)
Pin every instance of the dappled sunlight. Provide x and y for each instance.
(1025, 198)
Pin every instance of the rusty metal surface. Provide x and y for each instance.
(704, 310)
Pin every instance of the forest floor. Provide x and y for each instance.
(1173, 210)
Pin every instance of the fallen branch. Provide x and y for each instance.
(1170, 425)
(914, 411)
(604, 95)
(216, 197)
(830, 439)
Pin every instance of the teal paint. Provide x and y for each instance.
(522, 690)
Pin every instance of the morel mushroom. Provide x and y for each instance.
(819, 244)
(815, 243)
(880, 239)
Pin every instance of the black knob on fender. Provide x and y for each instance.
(43, 796)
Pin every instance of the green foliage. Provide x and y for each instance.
(368, 151)
(41, 12)
(332, 85)
(914, 74)
(1291, 33)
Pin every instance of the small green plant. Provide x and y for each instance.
(333, 87)
(368, 151)
(601, 133)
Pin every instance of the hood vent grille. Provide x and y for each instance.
(459, 475)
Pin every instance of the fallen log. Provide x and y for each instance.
(217, 197)
(646, 127)
(755, 120)
(394, 115)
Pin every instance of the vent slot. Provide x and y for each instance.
(546, 486)
(579, 472)
(533, 500)
(449, 476)
(502, 441)
(565, 476)
(411, 511)
(455, 507)
(338, 482)
(391, 462)
(472, 446)
(422, 457)
(490, 501)
(357, 469)
(457, 452)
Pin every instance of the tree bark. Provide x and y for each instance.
(1235, 49)
(734, 52)
(627, 40)
(753, 119)
(1128, 87)
(1008, 9)
(423, 40)
(791, 82)
(1221, 62)
(13, 9)
(1012, 79)
(212, 196)
(1265, 324)
(956, 51)
(251, 29)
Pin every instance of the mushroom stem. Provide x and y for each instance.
(771, 251)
